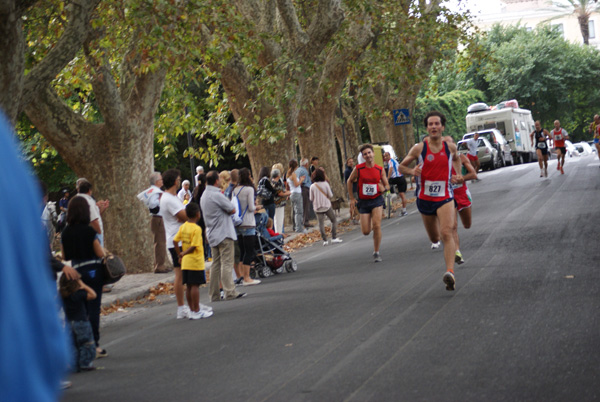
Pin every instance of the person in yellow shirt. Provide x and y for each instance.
(191, 258)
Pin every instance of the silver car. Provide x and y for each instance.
(497, 141)
(487, 154)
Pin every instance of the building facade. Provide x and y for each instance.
(531, 13)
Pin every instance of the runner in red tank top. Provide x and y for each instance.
(434, 200)
(462, 198)
(559, 135)
(372, 181)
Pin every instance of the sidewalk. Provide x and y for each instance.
(135, 286)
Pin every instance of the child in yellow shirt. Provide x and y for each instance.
(191, 258)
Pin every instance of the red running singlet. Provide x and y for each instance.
(434, 182)
(368, 181)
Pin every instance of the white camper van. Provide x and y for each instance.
(514, 123)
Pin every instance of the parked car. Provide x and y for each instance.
(498, 141)
(584, 148)
(487, 154)
(571, 149)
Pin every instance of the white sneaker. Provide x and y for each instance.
(326, 243)
(435, 246)
(200, 314)
(252, 282)
(404, 213)
(204, 307)
(338, 240)
(183, 312)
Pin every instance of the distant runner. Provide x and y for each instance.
(559, 135)
(396, 178)
(541, 147)
(372, 182)
(434, 190)
(472, 144)
(595, 130)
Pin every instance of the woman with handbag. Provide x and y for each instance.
(245, 194)
(80, 245)
(320, 193)
(266, 192)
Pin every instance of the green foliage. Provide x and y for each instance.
(47, 164)
(452, 104)
(546, 74)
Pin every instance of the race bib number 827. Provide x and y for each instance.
(435, 188)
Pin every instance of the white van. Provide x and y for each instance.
(514, 123)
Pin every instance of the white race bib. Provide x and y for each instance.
(457, 185)
(369, 189)
(435, 188)
(558, 137)
(542, 145)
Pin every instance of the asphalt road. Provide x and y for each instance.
(523, 324)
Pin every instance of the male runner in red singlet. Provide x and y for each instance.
(559, 135)
(434, 187)
(462, 198)
(372, 182)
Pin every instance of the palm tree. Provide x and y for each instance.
(582, 9)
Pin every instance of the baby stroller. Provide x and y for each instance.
(270, 257)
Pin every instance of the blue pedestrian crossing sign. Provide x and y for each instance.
(401, 116)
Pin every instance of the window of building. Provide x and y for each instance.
(592, 28)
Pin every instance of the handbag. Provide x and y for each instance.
(237, 216)
(113, 268)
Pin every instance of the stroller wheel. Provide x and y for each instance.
(265, 271)
(291, 266)
(253, 273)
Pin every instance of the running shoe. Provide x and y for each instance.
(377, 257)
(326, 243)
(183, 312)
(561, 170)
(546, 172)
(458, 258)
(558, 167)
(435, 246)
(338, 240)
(541, 173)
(196, 315)
(449, 280)
(204, 307)
(404, 213)
(250, 283)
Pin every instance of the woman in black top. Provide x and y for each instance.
(81, 246)
(266, 192)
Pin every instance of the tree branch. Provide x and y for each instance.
(105, 88)
(65, 129)
(295, 33)
(325, 23)
(66, 48)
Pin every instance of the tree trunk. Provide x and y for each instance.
(116, 157)
(12, 49)
(584, 27)
(348, 138)
(401, 137)
(317, 139)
